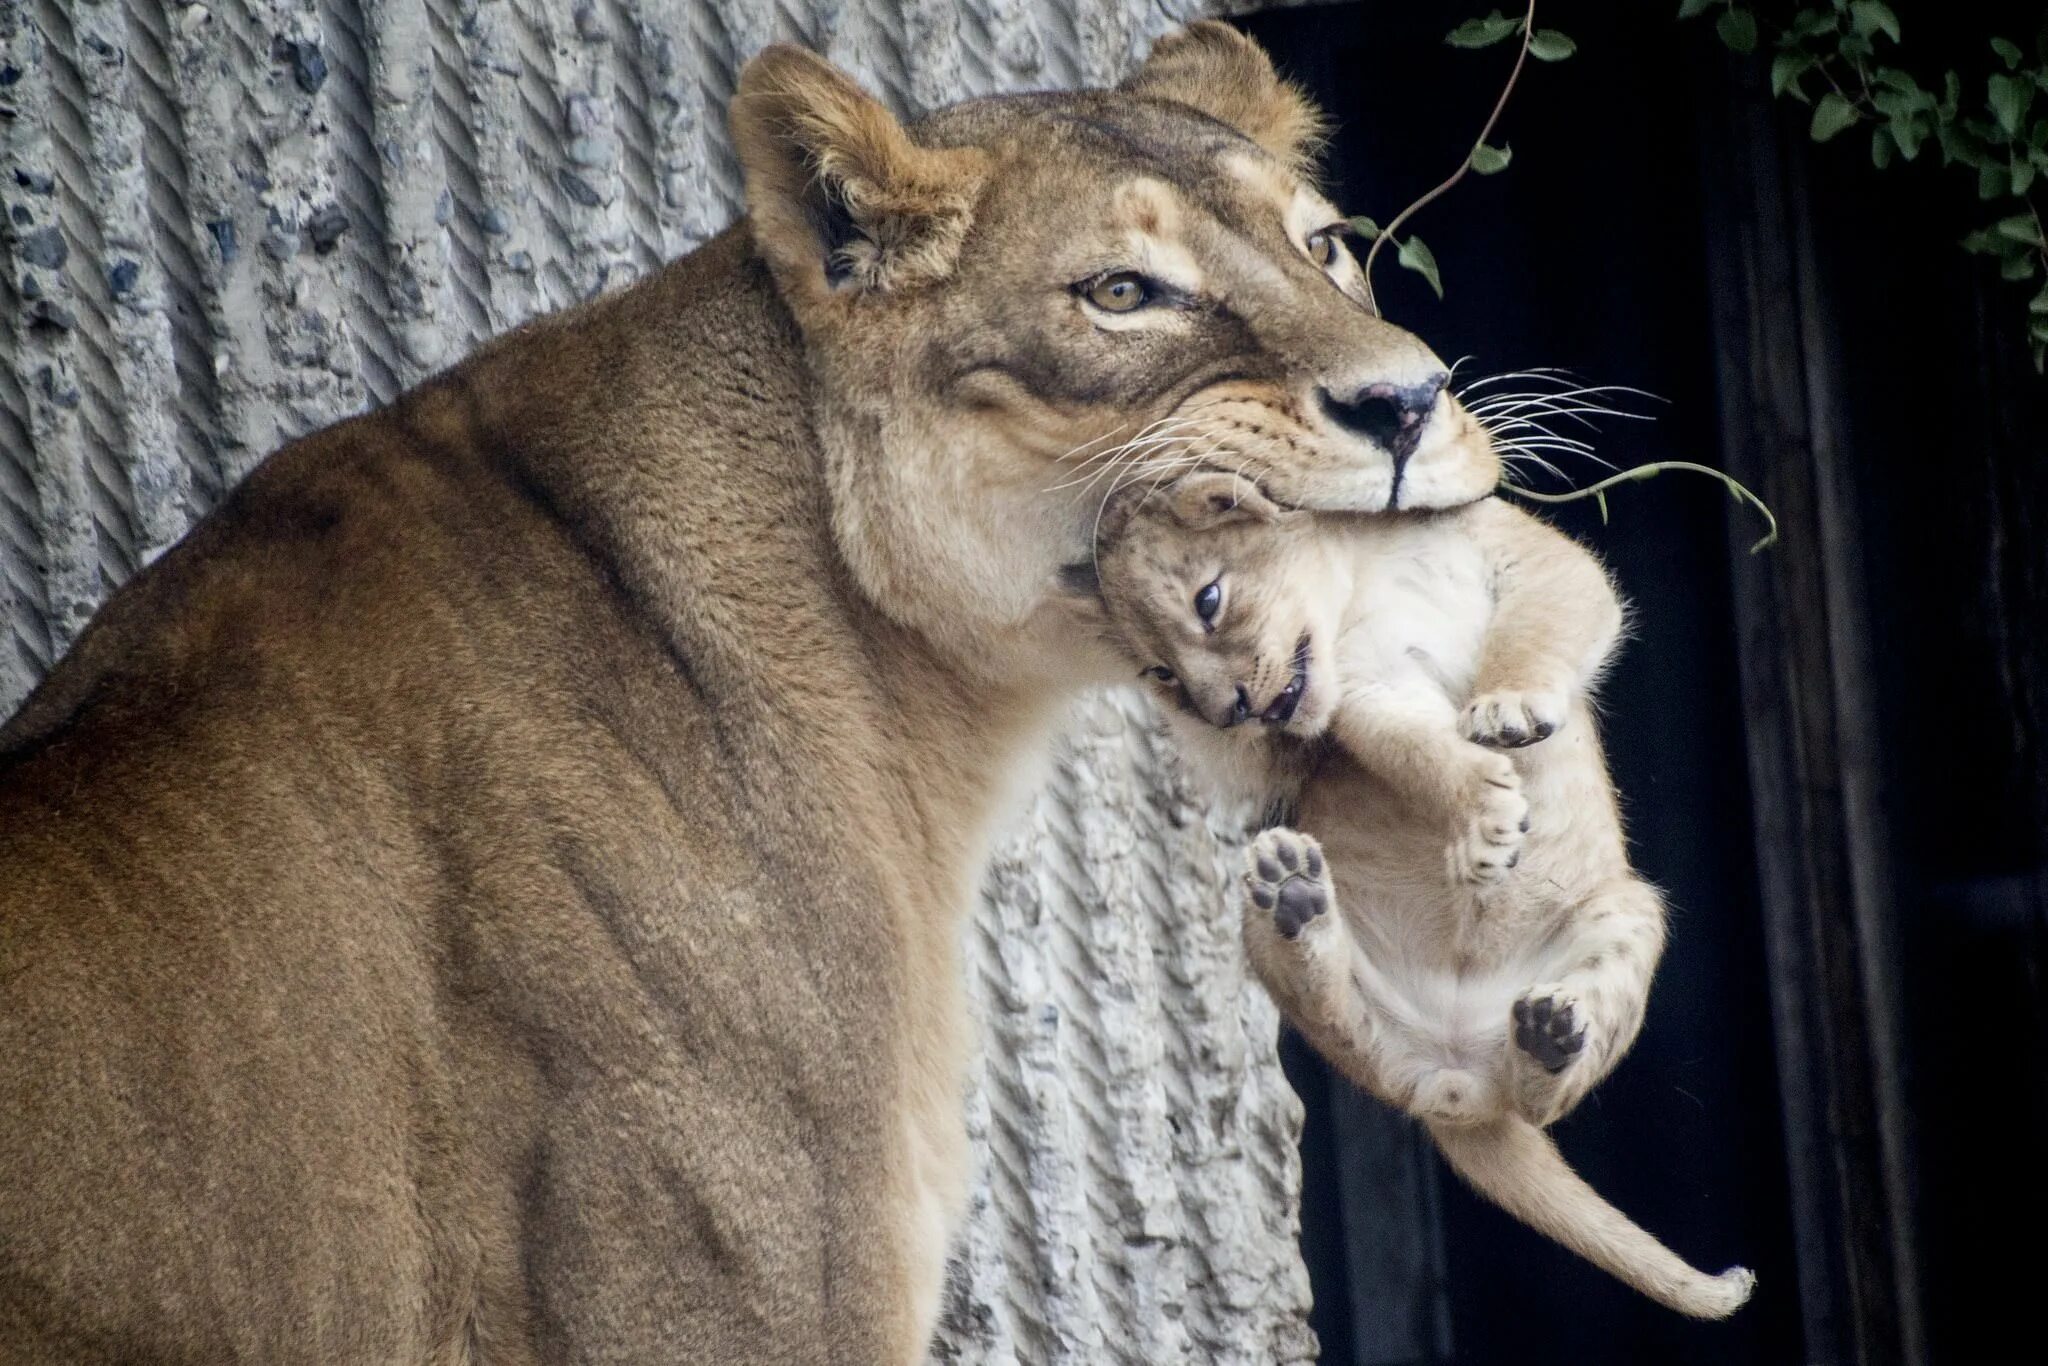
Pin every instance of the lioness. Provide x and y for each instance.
(492, 892)
(1491, 951)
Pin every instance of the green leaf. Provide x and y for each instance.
(1811, 23)
(1831, 116)
(2021, 172)
(1551, 45)
(1898, 104)
(1881, 147)
(1693, 9)
(1872, 16)
(1416, 257)
(2017, 268)
(2038, 305)
(2041, 357)
(1910, 132)
(2010, 97)
(1786, 69)
(1366, 229)
(1959, 144)
(1488, 160)
(1993, 181)
(2008, 52)
(1483, 32)
(1737, 29)
(1951, 96)
(2019, 227)
(1983, 242)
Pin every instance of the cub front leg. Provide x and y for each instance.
(1568, 1032)
(1554, 626)
(1472, 793)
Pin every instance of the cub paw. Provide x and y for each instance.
(1493, 818)
(1550, 1027)
(1511, 720)
(1286, 874)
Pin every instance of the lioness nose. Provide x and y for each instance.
(1389, 415)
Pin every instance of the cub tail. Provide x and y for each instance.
(1514, 1164)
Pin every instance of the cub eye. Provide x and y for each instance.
(1209, 600)
(1322, 249)
(1119, 293)
(1160, 672)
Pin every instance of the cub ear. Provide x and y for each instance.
(1116, 513)
(1212, 67)
(1213, 498)
(838, 195)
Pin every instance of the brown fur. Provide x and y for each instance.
(491, 894)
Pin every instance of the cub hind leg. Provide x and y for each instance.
(1569, 1030)
(1304, 953)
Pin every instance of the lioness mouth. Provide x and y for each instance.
(1282, 708)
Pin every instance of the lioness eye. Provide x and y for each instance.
(1158, 671)
(1209, 599)
(1322, 249)
(1119, 293)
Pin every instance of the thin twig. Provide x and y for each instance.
(1386, 233)
(1639, 472)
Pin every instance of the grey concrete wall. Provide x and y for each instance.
(230, 222)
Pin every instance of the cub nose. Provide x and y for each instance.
(1389, 415)
(1239, 709)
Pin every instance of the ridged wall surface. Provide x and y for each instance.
(232, 222)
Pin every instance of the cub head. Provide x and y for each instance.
(1233, 610)
(1014, 306)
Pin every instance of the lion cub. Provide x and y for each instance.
(1467, 941)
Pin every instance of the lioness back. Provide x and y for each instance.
(328, 796)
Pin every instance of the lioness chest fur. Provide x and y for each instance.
(492, 893)
(1462, 933)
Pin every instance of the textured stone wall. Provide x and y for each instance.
(230, 222)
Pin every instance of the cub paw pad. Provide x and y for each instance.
(1512, 720)
(1288, 877)
(1548, 1029)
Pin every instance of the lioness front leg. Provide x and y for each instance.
(1567, 1033)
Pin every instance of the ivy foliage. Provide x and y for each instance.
(1543, 44)
(1843, 60)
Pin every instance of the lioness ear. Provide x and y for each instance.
(1212, 67)
(1213, 498)
(838, 195)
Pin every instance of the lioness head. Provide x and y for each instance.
(1232, 610)
(1016, 305)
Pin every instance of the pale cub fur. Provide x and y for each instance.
(1491, 949)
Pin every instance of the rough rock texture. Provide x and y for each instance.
(231, 222)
